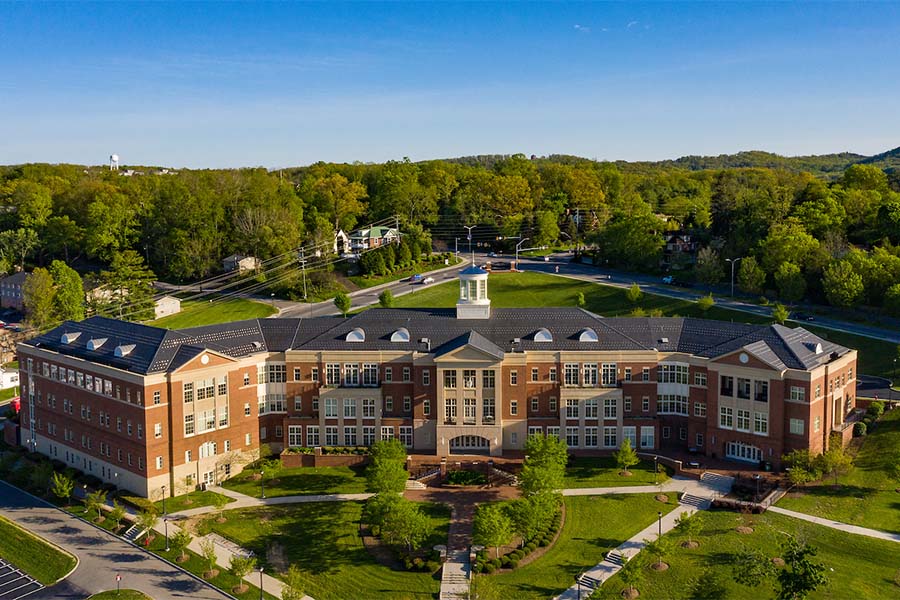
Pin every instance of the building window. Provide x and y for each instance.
(761, 391)
(647, 435)
(370, 374)
(349, 436)
(406, 375)
(450, 379)
(389, 404)
(263, 433)
(590, 437)
(700, 379)
(553, 374)
(761, 423)
(157, 430)
(315, 404)
(513, 377)
(727, 386)
(450, 410)
(743, 388)
(246, 378)
(534, 374)
(368, 405)
(590, 408)
(699, 409)
(610, 408)
(589, 374)
(513, 407)
(726, 417)
(798, 394)
(332, 374)
(488, 379)
(610, 439)
(627, 376)
(298, 403)
(349, 408)
(156, 398)
(222, 387)
(817, 424)
(406, 435)
(682, 433)
(295, 435)
(743, 420)
(535, 430)
(535, 405)
(312, 435)
(331, 435)
(331, 410)
(698, 440)
(553, 431)
(188, 391)
(645, 374)
(645, 404)
(296, 373)
(426, 377)
(246, 409)
(553, 404)
(426, 406)
(571, 409)
(797, 426)
(572, 437)
(388, 374)
(672, 404)
(672, 373)
(469, 378)
(570, 374)
(818, 390)
(407, 404)
(387, 432)
(351, 374)
(368, 436)
(314, 374)
(627, 403)
(159, 463)
(488, 408)
(666, 432)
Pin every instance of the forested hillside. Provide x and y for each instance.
(829, 234)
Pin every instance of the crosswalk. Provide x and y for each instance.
(14, 584)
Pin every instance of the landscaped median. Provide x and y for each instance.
(41, 560)
(121, 595)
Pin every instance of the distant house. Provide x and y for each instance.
(167, 305)
(240, 263)
(11, 291)
(341, 242)
(680, 249)
(9, 378)
(373, 237)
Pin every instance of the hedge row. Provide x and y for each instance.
(510, 560)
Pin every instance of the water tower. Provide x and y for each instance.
(113, 162)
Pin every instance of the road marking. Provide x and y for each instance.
(17, 584)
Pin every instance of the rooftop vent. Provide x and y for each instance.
(256, 345)
(95, 344)
(588, 335)
(356, 335)
(427, 342)
(543, 335)
(123, 350)
(68, 338)
(401, 335)
(664, 340)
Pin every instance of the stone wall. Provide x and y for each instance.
(291, 461)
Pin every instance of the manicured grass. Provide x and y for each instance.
(80, 510)
(200, 312)
(121, 595)
(191, 500)
(43, 561)
(322, 539)
(863, 567)
(12, 365)
(302, 481)
(197, 565)
(876, 357)
(867, 495)
(601, 471)
(594, 525)
(8, 393)
(364, 281)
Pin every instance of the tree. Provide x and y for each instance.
(42, 476)
(33, 203)
(240, 567)
(704, 303)
(69, 296)
(752, 567)
(634, 293)
(116, 514)
(835, 461)
(342, 302)
(179, 542)
(492, 527)
(843, 286)
(801, 575)
(340, 198)
(95, 501)
(146, 519)
(546, 228)
(689, 525)
(580, 302)
(751, 278)
(626, 456)
(127, 288)
(219, 502)
(485, 588)
(790, 282)
(62, 486)
(892, 300)
(38, 295)
(709, 269)
(633, 240)
(387, 471)
(18, 243)
(292, 586)
(545, 465)
(632, 573)
(405, 524)
(386, 299)
(780, 313)
(208, 551)
(532, 514)
(659, 548)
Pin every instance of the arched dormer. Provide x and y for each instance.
(543, 335)
(356, 335)
(401, 335)
(94, 344)
(123, 350)
(588, 335)
(68, 338)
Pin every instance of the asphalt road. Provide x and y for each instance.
(101, 555)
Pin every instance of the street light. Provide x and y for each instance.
(578, 583)
(469, 228)
(659, 521)
(522, 241)
(166, 524)
(733, 262)
(260, 584)
(164, 501)
(655, 469)
(757, 477)
(262, 484)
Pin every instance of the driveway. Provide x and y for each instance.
(101, 555)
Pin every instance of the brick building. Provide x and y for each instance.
(144, 407)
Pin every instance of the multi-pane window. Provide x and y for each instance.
(407, 404)
(450, 410)
(726, 417)
(553, 431)
(406, 375)
(157, 430)
(406, 435)
(314, 374)
(387, 432)
(277, 373)
(761, 391)
(743, 388)
(608, 375)
(645, 404)
(700, 379)
(207, 420)
(818, 390)
(627, 375)
(672, 404)
(370, 374)
(817, 424)
(222, 388)
(610, 439)
(488, 408)
(797, 426)
(590, 437)
(295, 435)
(349, 408)
(426, 406)
(698, 440)
(331, 409)
(514, 407)
(645, 374)
(552, 374)
(513, 377)
(296, 373)
(488, 379)
(629, 432)
(590, 408)
(610, 408)
(571, 409)
(349, 436)
(672, 373)
(699, 409)
(389, 404)
(157, 398)
(647, 435)
(798, 394)
(469, 408)
(351, 374)
(368, 435)
(535, 430)
(553, 404)
(159, 462)
(570, 374)
(426, 377)
(332, 374)
(535, 405)
(627, 403)
(188, 392)
(743, 420)
(298, 403)
(312, 435)
(726, 387)
(469, 378)
(246, 378)
(534, 374)
(589, 374)
(450, 379)
(206, 389)
(188, 424)
(388, 374)
(572, 437)
(368, 405)
(331, 435)
(761, 423)
(246, 409)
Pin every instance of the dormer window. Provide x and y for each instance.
(68, 338)
(543, 335)
(95, 343)
(588, 335)
(356, 335)
(401, 335)
(123, 350)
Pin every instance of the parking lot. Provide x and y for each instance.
(14, 584)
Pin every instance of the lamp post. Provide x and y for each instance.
(757, 477)
(891, 384)
(84, 492)
(659, 521)
(655, 469)
(262, 484)
(733, 262)
(164, 501)
(166, 525)
(578, 583)
(522, 241)
(469, 229)
(260, 584)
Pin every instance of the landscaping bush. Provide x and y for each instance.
(466, 478)
(496, 562)
(513, 563)
(489, 568)
(544, 542)
(137, 502)
(504, 561)
(432, 566)
(876, 409)
(530, 547)
(417, 563)
(859, 430)
(478, 568)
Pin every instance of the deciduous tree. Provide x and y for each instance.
(626, 456)
(843, 286)
(38, 294)
(342, 302)
(492, 527)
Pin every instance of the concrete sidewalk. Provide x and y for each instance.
(872, 533)
(245, 501)
(708, 486)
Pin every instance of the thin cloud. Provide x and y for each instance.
(631, 24)
(582, 28)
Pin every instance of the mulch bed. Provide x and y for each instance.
(538, 552)
(382, 554)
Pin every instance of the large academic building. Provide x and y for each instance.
(143, 407)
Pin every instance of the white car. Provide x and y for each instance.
(427, 280)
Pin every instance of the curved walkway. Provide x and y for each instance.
(855, 529)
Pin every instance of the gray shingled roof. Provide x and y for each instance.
(507, 330)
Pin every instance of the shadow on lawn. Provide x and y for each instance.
(709, 587)
(844, 491)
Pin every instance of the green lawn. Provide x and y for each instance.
(867, 495)
(863, 567)
(121, 595)
(594, 525)
(302, 481)
(79, 510)
(876, 357)
(322, 538)
(191, 500)
(45, 562)
(202, 312)
(601, 471)
(8, 393)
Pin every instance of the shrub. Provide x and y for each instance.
(432, 566)
(407, 564)
(478, 568)
(530, 547)
(496, 562)
(489, 568)
(876, 409)
(859, 430)
(513, 563)
(544, 542)
(505, 560)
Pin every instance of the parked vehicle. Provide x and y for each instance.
(668, 280)
(802, 316)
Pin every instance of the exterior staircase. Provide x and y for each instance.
(133, 534)
(695, 501)
(415, 484)
(455, 576)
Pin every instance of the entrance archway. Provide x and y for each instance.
(470, 444)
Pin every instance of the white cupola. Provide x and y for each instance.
(473, 302)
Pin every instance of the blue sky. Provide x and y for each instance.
(214, 85)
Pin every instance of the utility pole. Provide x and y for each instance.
(303, 268)
(456, 247)
(522, 241)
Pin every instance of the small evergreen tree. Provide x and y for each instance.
(704, 303)
(780, 313)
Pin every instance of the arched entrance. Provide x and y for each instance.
(470, 444)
